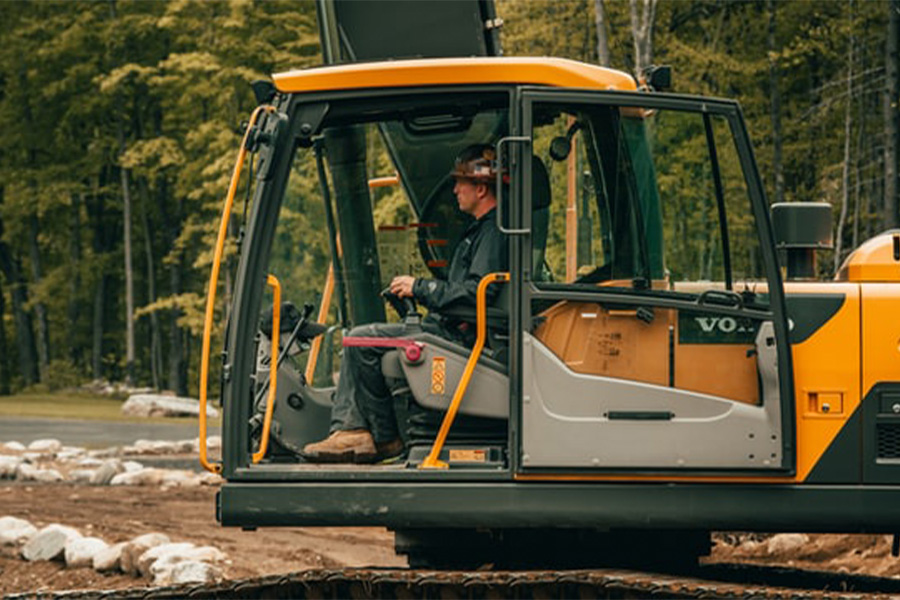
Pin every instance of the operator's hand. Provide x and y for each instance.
(402, 286)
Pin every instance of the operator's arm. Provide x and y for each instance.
(487, 254)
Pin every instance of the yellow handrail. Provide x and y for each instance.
(323, 316)
(432, 461)
(214, 281)
(273, 367)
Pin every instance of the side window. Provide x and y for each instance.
(651, 203)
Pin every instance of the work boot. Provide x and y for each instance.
(390, 451)
(346, 446)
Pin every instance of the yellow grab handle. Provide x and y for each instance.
(214, 281)
(323, 317)
(432, 460)
(273, 367)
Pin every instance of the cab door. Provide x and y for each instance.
(654, 331)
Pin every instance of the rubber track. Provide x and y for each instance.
(734, 581)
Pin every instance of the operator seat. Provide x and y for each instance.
(423, 418)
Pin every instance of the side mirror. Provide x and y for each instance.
(801, 228)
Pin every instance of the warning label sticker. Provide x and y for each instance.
(438, 375)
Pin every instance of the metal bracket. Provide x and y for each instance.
(495, 23)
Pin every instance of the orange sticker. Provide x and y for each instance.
(438, 375)
(468, 456)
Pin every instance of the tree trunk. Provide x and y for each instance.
(892, 92)
(155, 346)
(775, 107)
(602, 38)
(129, 273)
(4, 348)
(11, 269)
(40, 309)
(642, 34)
(96, 212)
(76, 354)
(97, 340)
(848, 130)
(177, 376)
(28, 366)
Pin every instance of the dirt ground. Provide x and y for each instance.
(118, 514)
(187, 514)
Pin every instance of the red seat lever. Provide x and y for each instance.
(412, 348)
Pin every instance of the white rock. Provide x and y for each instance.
(132, 550)
(49, 446)
(173, 552)
(107, 471)
(14, 446)
(109, 558)
(70, 453)
(142, 477)
(787, 542)
(158, 405)
(27, 472)
(207, 478)
(104, 452)
(15, 532)
(9, 465)
(89, 462)
(130, 466)
(213, 442)
(32, 457)
(154, 447)
(81, 475)
(80, 552)
(187, 572)
(173, 478)
(49, 542)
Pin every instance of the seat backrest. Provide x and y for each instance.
(540, 217)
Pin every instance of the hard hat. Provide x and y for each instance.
(477, 162)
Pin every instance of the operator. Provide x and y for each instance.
(363, 425)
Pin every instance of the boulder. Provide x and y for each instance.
(213, 442)
(179, 478)
(190, 571)
(132, 550)
(48, 446)
(49, 543)
(107, 471)
(70, 453)
(80, 552)
(142, 477)
(104, 452)
(9, 466)
(159, 405)
(14, 446)
(171, 552)
(15, 532)
(81, 475)
(207, 478)
(786, 543)
(109, 558)
(130, 466)
(153, 447)
(89, 461)
(27, 472)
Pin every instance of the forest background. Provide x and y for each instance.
(120, 122)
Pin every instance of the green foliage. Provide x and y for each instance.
(158, 88)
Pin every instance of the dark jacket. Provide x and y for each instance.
(481, 250)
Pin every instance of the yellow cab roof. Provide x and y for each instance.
(555, 72)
